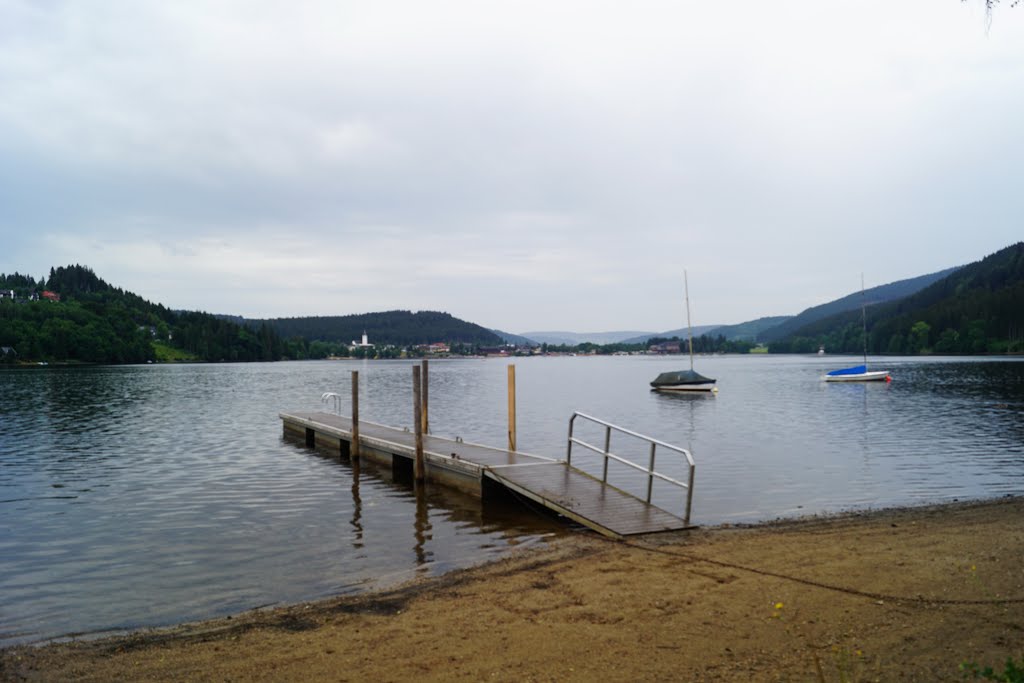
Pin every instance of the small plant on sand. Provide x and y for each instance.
(848, 664)
(1011, 673)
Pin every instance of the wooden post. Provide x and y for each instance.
(512, 408)
(426, 398)
(418, 470)
(354, 449)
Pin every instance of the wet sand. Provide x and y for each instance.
(892, 595)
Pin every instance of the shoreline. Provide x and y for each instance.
(907, 592)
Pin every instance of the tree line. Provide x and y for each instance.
(396, 328)
(96, 323)
(978, 309)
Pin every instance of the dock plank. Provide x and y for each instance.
(547, 481)
(586, 499)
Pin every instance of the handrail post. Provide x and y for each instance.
(689, 497)
(607, 455)
(650, 472)
(607, 449)
(568, 452)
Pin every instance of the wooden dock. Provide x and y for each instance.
(476, 469)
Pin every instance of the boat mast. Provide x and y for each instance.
(864, 320)
(689, 328)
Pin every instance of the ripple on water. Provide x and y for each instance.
(149, 495)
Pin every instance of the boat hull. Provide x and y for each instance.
(677, 388)
(872, 376)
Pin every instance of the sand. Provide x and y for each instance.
(892, 595)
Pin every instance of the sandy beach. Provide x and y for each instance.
(906, 594)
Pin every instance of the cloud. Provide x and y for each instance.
(528, 165)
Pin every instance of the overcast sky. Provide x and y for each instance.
(528, 166)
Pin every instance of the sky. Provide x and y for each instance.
(527, 166)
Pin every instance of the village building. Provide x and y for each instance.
(364, 344)
(665, 347)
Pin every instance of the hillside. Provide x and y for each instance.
(852, 302)
(399, 328)
(573, 338)
(752, 329)
(75, 316)
(517, 339)
(978, 308)
(681, 333)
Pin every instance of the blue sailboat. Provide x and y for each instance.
(860, 373)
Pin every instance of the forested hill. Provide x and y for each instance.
(74, 316)
(977, 309)
(851, 302)
(752, 329)
(399, 328)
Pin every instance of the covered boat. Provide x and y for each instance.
(683, 380)
(858, 373)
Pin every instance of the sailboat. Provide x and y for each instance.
(860, 373)
(684, 380)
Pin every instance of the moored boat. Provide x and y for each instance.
(684, 380)
(858, 373)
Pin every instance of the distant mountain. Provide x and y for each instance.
(852, 302)
(399, 328)
(516, 339)
(574, 338)
(978, 308)
(752, 329)
(698, 330)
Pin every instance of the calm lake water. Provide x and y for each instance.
(150, 495)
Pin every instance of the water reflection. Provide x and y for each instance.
(356, 522)
(422, 525)
(673, 406)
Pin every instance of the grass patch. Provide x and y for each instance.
(1012, 673)
(169, 354)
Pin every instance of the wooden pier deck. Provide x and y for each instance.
(473, 468)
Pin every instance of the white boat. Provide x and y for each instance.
(859, 373)
(684, 380)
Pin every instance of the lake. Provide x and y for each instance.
(135, 496)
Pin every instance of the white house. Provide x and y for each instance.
(363, 344)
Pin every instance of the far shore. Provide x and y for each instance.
(905, 594)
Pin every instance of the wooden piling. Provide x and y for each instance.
(417, 410)
(512, 408)
(354, 449)
(426, 398)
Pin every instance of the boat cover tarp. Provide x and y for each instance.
(680, 377)
(855, 370)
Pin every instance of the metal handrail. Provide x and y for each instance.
(649, 470)
(331, 396)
